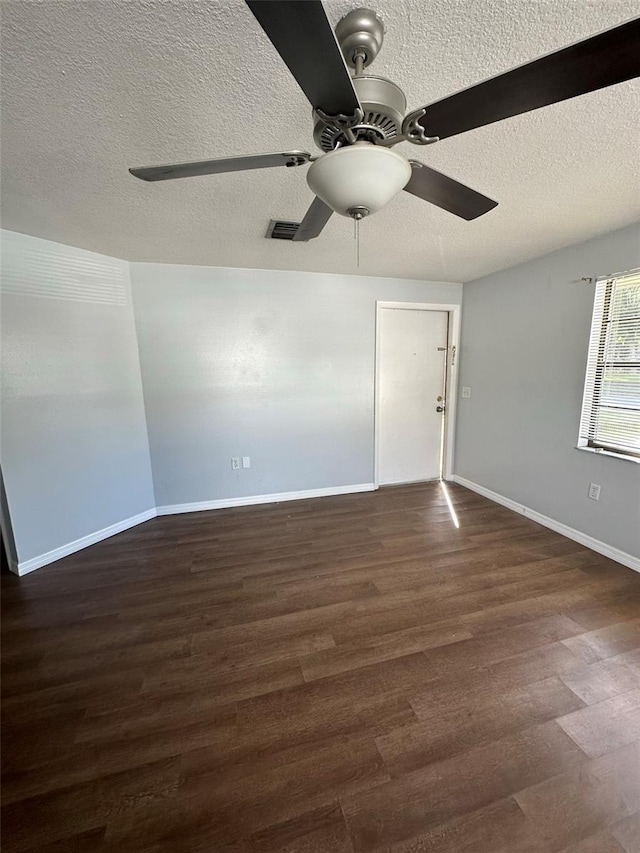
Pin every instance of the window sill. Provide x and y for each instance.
(610, 454)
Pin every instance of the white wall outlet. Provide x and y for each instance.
(235, 462)
(466, 391)
(594, 492)
(246, 462)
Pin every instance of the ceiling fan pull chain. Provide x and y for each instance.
(355, 236)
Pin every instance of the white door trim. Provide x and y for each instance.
(452, 379)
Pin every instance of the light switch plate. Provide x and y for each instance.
(466, 391)
(594, 491)
(246, 462)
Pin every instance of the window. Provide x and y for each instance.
(610, 419)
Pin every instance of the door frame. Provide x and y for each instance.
(451, 386)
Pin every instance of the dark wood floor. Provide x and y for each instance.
(338, 675)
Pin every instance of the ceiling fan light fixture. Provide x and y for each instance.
(360, 176)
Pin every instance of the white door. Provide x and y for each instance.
(411, 386)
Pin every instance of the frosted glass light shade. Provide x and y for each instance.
(360, 175)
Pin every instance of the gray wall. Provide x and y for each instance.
(278, 366)
(525, 334)
(74, 449)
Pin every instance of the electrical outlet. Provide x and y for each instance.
(466, 391)
(594, 492)
(235, 462)
(246, 462)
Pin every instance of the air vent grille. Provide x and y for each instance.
(280, 230)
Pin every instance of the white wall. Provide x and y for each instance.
(525, 335)
(278, 366)
(74, 448)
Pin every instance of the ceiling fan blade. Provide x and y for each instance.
(215, 167)
(602, 60)
(314, 221)
(446, 193)
(301, 33)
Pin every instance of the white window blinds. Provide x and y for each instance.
(611, 406)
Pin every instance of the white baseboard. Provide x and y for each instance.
(588, 541)
(277, 497)
(173, 509)
(27, 566)
(77, 545)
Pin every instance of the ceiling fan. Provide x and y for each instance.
(358, 119)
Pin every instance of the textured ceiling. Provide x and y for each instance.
(92, 87)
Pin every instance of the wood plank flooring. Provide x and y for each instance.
(341, 675)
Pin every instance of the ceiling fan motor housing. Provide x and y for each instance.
(384, 106)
